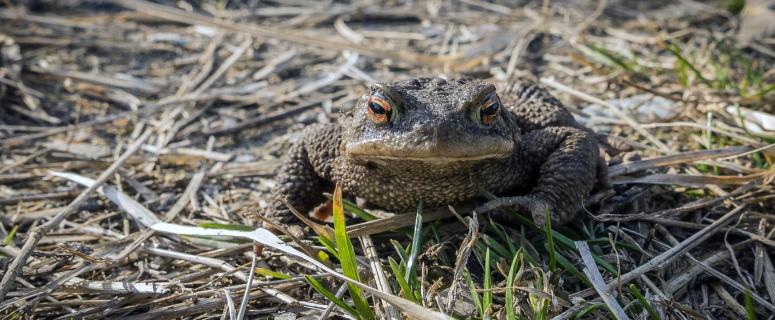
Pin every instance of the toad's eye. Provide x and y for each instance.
(380, 108)
(488, 111)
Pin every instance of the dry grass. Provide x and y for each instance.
(180, 111)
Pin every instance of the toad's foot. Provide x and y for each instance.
(535, 205)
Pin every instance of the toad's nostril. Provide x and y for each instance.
(435, 139)
(428, 132)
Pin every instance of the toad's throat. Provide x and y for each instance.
(431, 159)
(429, 153)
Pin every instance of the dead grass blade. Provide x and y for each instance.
(266, 238)
(181, 16)
(769, 277)
(399, 221)
(138, 212)
(675, 251)
(34, 237)
(185, 197)
(674, 159)
(594, 276)
(691, 180)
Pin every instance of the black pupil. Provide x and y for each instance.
(491, 109)
(376, 108)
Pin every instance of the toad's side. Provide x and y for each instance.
(441, 142)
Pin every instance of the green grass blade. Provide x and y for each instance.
(332, 297)
(499, 249)
(474, 295)
(270, 273)
(408, 294)
(765, 91)
(581, 314)
(330, 245)
(223, 226)
(604, 56)
(347, 256)
(487, 286)
(416, 242)
(605, 265)
(400, 250)
(525, 252)
(504, 237)
(677, 53)
(544, 313)
(550, 242)
(570, 268)
(9, 238)
(750, 313)
(324, 257)
(561, 239)
(734, 6)
(509, 304)
(643, 302)
(354, 208)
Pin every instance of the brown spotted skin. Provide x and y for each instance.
(554, 162)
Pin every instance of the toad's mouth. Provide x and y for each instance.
(485, 149)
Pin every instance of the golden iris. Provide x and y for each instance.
(379, 108)
(488, 112)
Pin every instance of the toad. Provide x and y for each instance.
(442, 142)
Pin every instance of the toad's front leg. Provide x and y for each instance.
(567, 160)
(304, 174)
